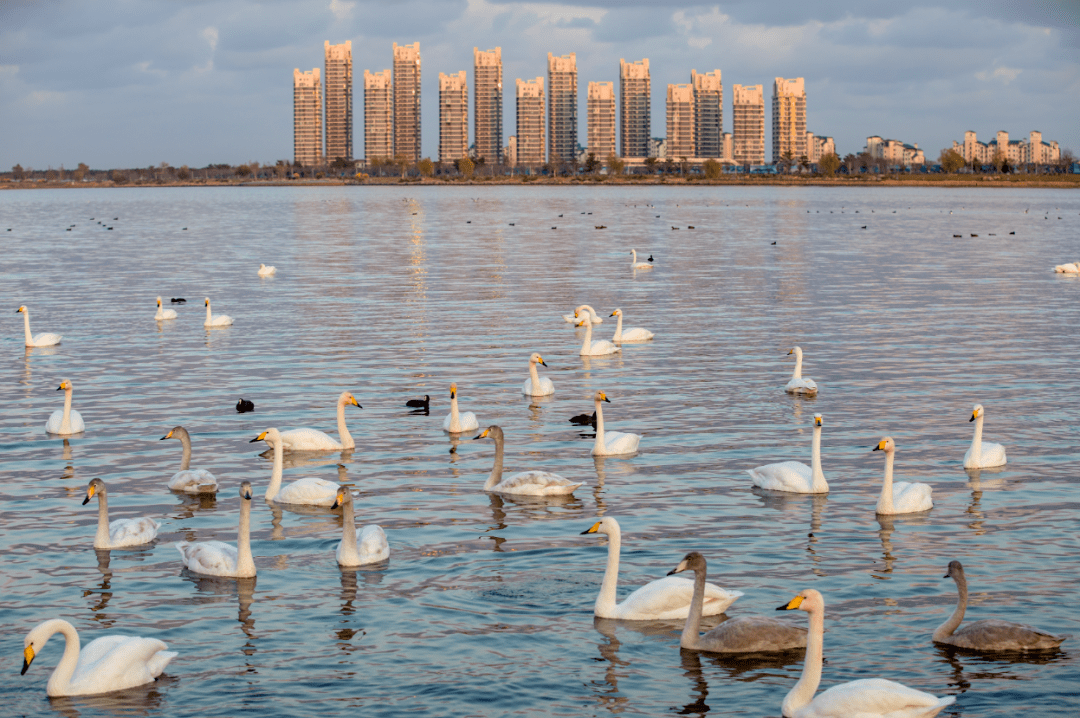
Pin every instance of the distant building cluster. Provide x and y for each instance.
(894, 152)
(1032, 151)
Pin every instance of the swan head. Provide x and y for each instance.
(616, 313)
(817, 420)
(175, 433)
(453, 391)
(245, 491)
(159, 301)
(886, 444)
(65, 385)
(955, 571)
(344, 496)
(976, 412)
(537, 359)
(600, 396)
(796, 351)
(692, 561)
(96, 487)
(583, 321)
(270, 436)
(495, 432)
(206, 301)
(36, 640)
(348, 398)
(22, 310)
(808, 600)
(606, 525)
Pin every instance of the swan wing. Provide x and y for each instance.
(112, 663)
(132, 532)
(371, 544)
(791, 476)
(210, 558)
(77, 424)
(52, 426)
(168, 314)
(801, 386)
(871, 697)
(46, 339)
(601, 347)
(618, 442)
(753, 634)
(535, 483)
(309, 491)
(546, 387)
(637, 334)
(194, 481)
(992, 455)
(669, 598)
(446, 422)
(995, 635)
(468, 421)
(305, 439)
(909, 498)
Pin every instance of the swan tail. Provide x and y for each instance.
(159, 661)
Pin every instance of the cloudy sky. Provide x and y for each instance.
(131, 83)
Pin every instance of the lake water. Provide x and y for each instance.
(485, 606)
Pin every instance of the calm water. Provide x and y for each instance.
(485, 606)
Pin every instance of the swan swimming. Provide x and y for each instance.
(745, 634)
(119, 533)
(308, 491)
(457, 422)
(1068, 268)
(589, 348)
(573, 318)
(314, 440)
(901, 497)
(66, 421)
(108, 663)
(190, 481)
(163, 313)
(216, 558)
(637, 334)
(980, 455)
(795, 476)
(797, 384)
(989, 634)
(634, 264)
(611, 443)
(265, 271)
(537, 385)
(44, 339)
(221, 320)
(864, 698)
(358, 546)
(665, 598)
(524, 483)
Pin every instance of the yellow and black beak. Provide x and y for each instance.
(28, 658)
(541, 361)
(612, 314)
(90, 491)
(791, 605)
(817, 421)
(973, 416)
(247, 494)
(791, 352)
(260, 437)
(482, 435)
(880, 446)
(604, 397)
(338, 500)
(167, 436)
(591, 530)
(59, 388)
(355, 403)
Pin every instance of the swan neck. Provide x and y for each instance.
(692, 629)
(65, 421)
(350, 555)
(26, 326)
(586, 347)
(65, 669)
(343, 431)
(160, 312)
(976, 441)
(618, 329)
(817, 475)
(245, 564)
(185, 440)
(804, 690)
(599, 446)
(279, 465)
(605, 601)
(208, 312)
(535, 377)
(946, 629)
(455, 415)
(102, 539)
(797, 374)
(885, 501)
(496, 471)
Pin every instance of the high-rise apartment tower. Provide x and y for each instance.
(788, 119)
(708, 114)
(378, 115)
(635, 119)
(453, 117)
(339, 101)
(562, 107)
(680, 121)
(601, 119)
(530, 121)
(748, 124)
(407, 101)
(307, 118)
(488, 104)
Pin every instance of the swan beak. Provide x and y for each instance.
(591, 530)
(541, 362)
(817, 421)
(482, 435)
(247, 495)
(612, 314)
(61, 385)
(28, 658)
(260, 437)
(791, 352)
(89, 495)
(354, 402)
(167, 436)
(678, 569)
(338, 500)
(973, 416)
(791, 605)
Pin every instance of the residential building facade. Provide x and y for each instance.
(601, 119)
(378, 115)
(339, 100)
(1032, 151)
(635, 118)
(307, 118)
(748, 124)
(817, 146)
(530, 122)
(562, 107)
(453, 117)
(708, 114)
(789, 119)
(407, 101)
(680, 121)
(488, 104)
(511, 151)
(894, 151)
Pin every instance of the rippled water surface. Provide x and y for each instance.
(485, 606)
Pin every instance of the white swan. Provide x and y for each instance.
(525, 483)
(634, 264)
(163, 313)
(611, 443)
(308, 491)
(41, 340)
(795, 476)
(745, 634)
(457, 422)
(573, 318)
(637, 334)
(1068, 268)
(121, 532)
(108, 663)
(665, 598)
(358, 546)
(797, 384)
(216, 558)
(864, 698)
(190, 481)
(265, 271)
(314, 440)
(221, 320)
(589, 348)
(537, 385)
(66, 421)
(980, 455)
(901, 497)
(989, 634)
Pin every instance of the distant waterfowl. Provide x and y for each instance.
(989, 634)
(634, 264)
(456, 421)
(162, 313)
(67, 420)
(1068, 268)
(217, 558)
(45, 339)
(306, 439)
(957, 235)
(581, 308)
(637, 334)
(797, 384)
(178, 300)
(795, 476)
(665, 598)
(611, 443)
(980, 455)
(265, 271)
(419, 403)
(120, 532)
(745, 634)
(245, 405)
(901, 497)
(358, 547)
(308, 491)
(221, 320)
(650, 258)
(537, 385)
(600, 226)
(864, 698)
(106, 664)
(188, 480)
(589, 347)
(584, 420)
(524, 483)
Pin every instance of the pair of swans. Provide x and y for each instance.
(265, 271)
(573, 318)
(989, 634)
(525, 483)
(217, 558)
(864, 698)
(65, 421)
(308, 491)
(634, 264)
(611, 443)
(900, 497)
(980, 455)
(662, 599)
(795, 476)
(162, 313)
(45, 339)
(589, 348)
(457, 422)
(637, 334)
(797, 384)
(1068, 268)
(537, 385)
(188, 480)
(119, 533)
(314, 440)
(221, 320)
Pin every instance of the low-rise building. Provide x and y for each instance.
(1032, 151)
(817, 146)
(894, 151)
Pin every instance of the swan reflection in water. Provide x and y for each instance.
(220, 590)
(790, 503)
(188, 504)
(371, 575)
(886, 526)
(100, 596)
(146, 700)
(980, 480)
(528, 508)
(990, 667)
